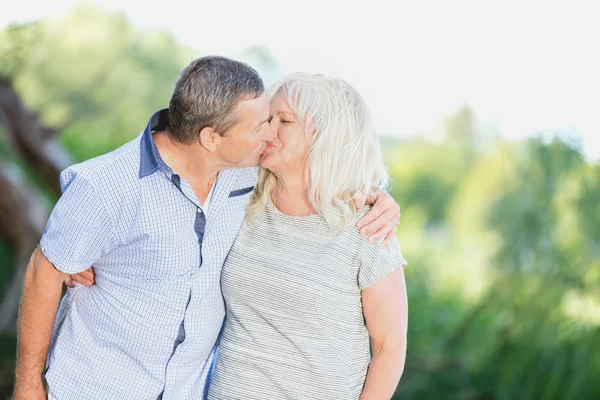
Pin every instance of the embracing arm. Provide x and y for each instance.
(42, 290)
(382, 220)
(385, 308)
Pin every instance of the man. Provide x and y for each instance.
(156, 218)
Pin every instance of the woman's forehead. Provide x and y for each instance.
(279, 105)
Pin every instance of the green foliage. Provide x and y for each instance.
(6, 259)
(507, 306)
(97, 78)
(16, 44)
(7, 341)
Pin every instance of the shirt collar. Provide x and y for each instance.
(150, 160)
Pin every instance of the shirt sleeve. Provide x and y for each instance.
(376, 263)
(79, 231)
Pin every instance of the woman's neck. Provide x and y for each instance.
(291, 196)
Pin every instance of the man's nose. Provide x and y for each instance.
(269, 133)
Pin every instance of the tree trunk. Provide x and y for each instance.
(24, 210)
(31, 140)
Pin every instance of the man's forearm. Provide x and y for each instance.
(42, 291)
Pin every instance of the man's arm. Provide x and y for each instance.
(42, 291)
(382, 220)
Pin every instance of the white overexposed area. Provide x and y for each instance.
(523, 66)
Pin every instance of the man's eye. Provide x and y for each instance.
(285, 122)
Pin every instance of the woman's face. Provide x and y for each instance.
(286, 153)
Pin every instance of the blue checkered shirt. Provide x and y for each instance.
(148, 328)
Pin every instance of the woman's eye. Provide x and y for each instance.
(285, 122)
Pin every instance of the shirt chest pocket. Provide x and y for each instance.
(162, 249)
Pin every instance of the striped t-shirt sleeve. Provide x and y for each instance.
(79, 231)
(376, 263)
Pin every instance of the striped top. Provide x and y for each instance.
(294, 327)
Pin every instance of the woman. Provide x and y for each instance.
(307, 296)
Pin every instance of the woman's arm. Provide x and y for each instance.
(385, 308)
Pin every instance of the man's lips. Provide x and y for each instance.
(269, 146)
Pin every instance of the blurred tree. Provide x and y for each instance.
(524, 230)
(96, 79)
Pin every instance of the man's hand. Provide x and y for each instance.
(30, 392)
(382, 219)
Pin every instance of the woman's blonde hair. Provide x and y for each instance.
(343, 160)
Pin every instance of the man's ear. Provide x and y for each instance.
(209, 139)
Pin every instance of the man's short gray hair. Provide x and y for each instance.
(206, 94)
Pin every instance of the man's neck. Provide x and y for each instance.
(191, 162)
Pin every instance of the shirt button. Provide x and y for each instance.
(199, 210)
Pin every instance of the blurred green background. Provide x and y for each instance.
(502, 236)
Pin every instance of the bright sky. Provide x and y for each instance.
(524, 66)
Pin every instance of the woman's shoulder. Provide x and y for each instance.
(352, 233)
(373, 249)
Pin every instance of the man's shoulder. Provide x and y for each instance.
(248, 171)
(106, 172)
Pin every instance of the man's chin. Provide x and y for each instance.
(264, 160)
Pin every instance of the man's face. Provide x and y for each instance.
(244, 143)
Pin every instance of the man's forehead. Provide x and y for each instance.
(253, 112)
(257, 105)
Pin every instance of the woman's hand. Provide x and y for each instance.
(86, 278)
